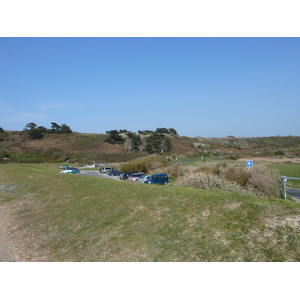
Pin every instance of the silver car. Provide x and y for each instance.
(135, 176)
(143, 178)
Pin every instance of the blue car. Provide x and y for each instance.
(113, 172)
(158, 179)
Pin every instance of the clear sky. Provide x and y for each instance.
(209, 87)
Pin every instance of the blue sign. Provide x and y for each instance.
(249, 163)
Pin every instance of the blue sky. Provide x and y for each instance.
(209, 87)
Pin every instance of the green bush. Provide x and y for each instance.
(279, 152)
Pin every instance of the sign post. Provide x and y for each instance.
(283, 180)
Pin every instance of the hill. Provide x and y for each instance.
(106, 220)
(84, 147)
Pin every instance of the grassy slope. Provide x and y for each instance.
(64, 217)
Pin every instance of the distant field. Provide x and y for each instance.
(289, 170)
(65, 217)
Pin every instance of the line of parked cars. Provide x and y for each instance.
(137, 177)
(143, 178)
(130, 176)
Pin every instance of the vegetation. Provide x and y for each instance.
(258, 180)
(158, 143)
(105, 220)
(288, 170)
(114, 137)
(37, 133)
(133, 142)
(144, 164)
(159, 130)
(57, 144)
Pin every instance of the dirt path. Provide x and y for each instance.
(9, 248)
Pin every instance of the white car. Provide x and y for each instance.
(70, 171)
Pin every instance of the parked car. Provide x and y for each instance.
(125, 175)
(113, 172)
(70, 171)
(158, 179)
(105, 169)
(135, 176)
(143, 178)
(64, 167)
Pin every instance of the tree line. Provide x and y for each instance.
(153, 141)
(157, 141)
(37, 132)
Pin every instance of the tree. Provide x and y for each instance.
(173, 131)
(133, 142)
(65, 129)
(144, 132)
(2, 134)
(42, 129)
(35, 134)
(55, 127)
(114, 137)
(158, 143)
(30, 126)
(162, 130)
(124, 131)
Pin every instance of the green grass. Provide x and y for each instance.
(289, 170)
(65, 217)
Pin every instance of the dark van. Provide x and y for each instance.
(158, 179)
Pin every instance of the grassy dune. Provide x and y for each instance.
(64, 217)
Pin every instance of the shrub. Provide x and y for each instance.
(207, 182)
(237, 174)
(144, 164)
(264, 182)
(279, 152)
(258, 180)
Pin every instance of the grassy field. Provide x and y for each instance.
(64, 217)
(289, 170)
